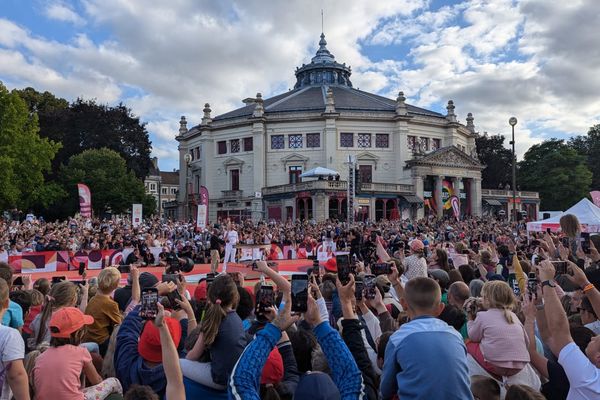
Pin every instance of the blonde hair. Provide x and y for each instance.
(108, 279)
(569, 224)
(497, 294)
(63, 294)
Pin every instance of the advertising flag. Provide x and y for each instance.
(455, 206)
(136, 215)
(596, 197)
(85, 200)
(202, 213)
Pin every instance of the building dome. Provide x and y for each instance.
(323, 70)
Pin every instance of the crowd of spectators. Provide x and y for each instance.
(473, 309)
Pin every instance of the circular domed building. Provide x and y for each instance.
(384, 158)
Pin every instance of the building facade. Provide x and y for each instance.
(164, 187)
(409, 161)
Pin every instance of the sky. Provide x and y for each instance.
(537, 60)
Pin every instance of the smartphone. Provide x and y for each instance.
(532, 283)
(149, 309)
(585, 242)
(565, 241)
(514, 284)
(18, 281)
(58, 279)
(299, 293)
(381, 269)
(535, 243)
(81, 269)
(265, 298)
(80, 282)
(548, 231)
(560, 267)
(172, 296)
(171, 278)
(370, 283)
(124, 269)
(359, 287)
(343, 268)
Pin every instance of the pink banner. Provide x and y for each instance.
(455, 206)
(85, 200)
(596, 197)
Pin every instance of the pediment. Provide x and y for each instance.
(295, 157)
(232, 161)
(447, 157)
(367, 156)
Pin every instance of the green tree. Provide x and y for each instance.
(497, 158)
(24, 156)
(84, 125)
(114, 188)
(589, 146)
(557, 172)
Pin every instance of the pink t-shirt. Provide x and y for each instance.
(57, 371)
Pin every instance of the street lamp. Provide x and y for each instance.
(513, 121)
(188, 159)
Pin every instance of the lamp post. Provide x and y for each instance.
(513, 121)
(188, 159)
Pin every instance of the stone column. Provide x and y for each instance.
(437, 196)
(475, 197)
(305, 214)
(329, 142)
(384, 207)
(456, 187)
(258, 168)
(418, 186)
(318, 207)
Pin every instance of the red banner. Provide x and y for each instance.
(85, 200)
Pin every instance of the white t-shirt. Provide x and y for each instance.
(232, 236)
(12, 348)
(594, 327)
(583, 376)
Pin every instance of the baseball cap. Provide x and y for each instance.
(67, 320)
(417, 245)
(331, 265)
(149, 345)
(316, 386)
(272, 372)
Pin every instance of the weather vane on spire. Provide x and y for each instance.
(322, 21)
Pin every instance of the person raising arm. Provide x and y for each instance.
(582, 371)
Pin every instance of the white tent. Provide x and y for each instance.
(586, 212)
(319, 171)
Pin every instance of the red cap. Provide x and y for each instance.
(149, 344)
(331, 265)
(200, 292)
(417, 245)
(272, 372)
(68, 320)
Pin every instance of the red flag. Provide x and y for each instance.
(85, 200)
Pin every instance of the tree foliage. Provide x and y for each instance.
(557, 172)
(114, 188)
(85, 124)
(589, 146)
(24, 156)
(497, 158)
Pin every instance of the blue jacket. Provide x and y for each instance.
(194, 390)
(426, 359)
(245, 380)
(129, 365)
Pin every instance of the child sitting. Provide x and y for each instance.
(104, 309)
(499, 341)
(57, 370)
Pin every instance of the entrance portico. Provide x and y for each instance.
(444, 173)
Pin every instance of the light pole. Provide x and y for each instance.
(188, 159)
(513, 121)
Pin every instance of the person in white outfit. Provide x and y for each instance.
(231, 239)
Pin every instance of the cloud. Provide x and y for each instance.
(533, 59)
(61, 12)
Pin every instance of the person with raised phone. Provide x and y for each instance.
(345, 381)
(170, 358)
(582, 370)
(416, 351)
